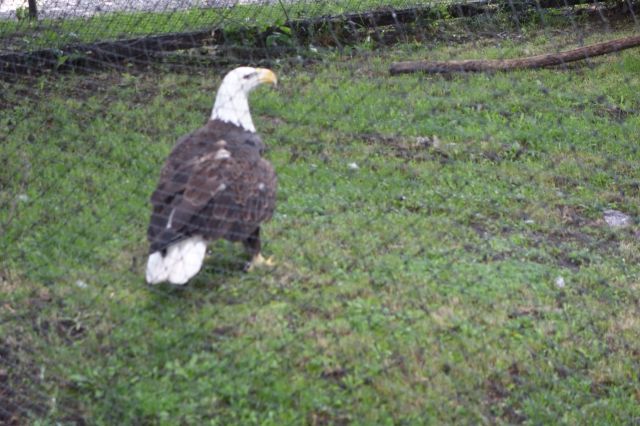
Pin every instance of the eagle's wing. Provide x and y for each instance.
(214, 195)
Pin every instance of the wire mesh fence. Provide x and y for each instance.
(448, 246)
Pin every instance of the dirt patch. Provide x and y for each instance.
(326, 417)
(565, 182)
(577, 242)
(68, 329)
(431, 148)
(19, 398)
(606, 109)
(30, 91)
(571, 249)
(25, 372)
(334, 373)
(535, 312)
(602, 388)
(423, 148)
(616, 113)
(498, 392)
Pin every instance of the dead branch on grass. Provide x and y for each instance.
(538, 61)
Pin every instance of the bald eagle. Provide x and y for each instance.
(214, 184)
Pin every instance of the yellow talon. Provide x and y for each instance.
(259, 261)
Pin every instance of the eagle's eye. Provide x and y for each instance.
(248, 76)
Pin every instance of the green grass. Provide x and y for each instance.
(418, 289)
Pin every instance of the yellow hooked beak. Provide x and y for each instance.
(267, 76)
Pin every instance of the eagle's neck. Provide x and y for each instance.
(232, 106)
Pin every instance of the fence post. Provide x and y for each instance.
(33, 9)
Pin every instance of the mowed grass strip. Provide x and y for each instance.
(441, 251)
(86, 26)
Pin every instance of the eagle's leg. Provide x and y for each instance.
(253, 247)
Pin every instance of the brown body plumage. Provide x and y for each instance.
(214, 184)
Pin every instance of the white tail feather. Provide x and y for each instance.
(181, 262)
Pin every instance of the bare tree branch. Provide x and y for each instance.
(539, 61)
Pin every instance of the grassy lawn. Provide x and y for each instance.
(462, 274)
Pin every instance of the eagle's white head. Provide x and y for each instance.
(232, 103)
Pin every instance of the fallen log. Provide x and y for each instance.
(538, 61)
(85, 54)
(390, 16)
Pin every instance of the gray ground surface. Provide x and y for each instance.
(77, 8)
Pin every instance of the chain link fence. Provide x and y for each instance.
(453, 245)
